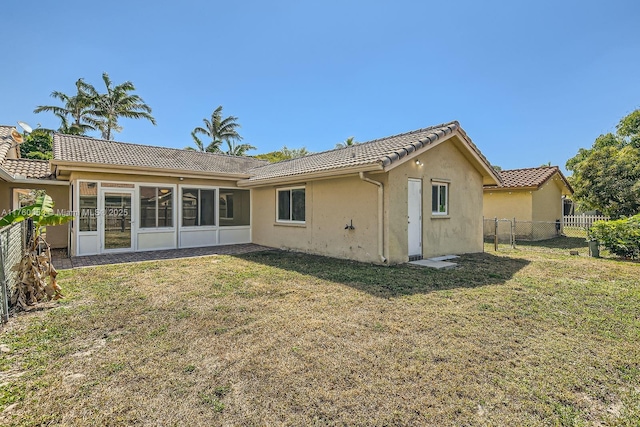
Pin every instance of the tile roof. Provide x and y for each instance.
(528, 177)
(5, 141)
(27, 168)
(380, 152)
(81, 149)
(20, 168)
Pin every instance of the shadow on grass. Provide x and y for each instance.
(473, 270)
(561, 242)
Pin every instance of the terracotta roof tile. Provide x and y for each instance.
(528, 177)
(5, 141)
(381, 152)
(27, 168)
(83, 149)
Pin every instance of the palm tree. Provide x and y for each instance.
(117, 102)
(238, 149)
(76, 114)
(347, 142)
(218, 130)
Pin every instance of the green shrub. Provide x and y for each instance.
(621, 237)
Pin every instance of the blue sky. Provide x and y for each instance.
(530, 82)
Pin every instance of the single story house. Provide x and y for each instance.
(412, 195)
(530, 195)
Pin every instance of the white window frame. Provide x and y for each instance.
(440, 184)
(174, 215)
(215, 207)
(226, 208)
(290, 221)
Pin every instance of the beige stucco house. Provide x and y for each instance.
(529, 195)
(412, 195)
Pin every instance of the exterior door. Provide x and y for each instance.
(117, 230)
(414, 228)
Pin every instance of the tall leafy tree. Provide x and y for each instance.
(37, 145)
(218, 130)
(118, 102)
(606, 177)
(77, 113)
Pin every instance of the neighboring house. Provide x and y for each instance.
(416, 194)
(529, 195)
(20, 178)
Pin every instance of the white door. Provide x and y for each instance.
(415, 217)
(116, 220)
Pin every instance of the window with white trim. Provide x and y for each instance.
(439, 198)
(156, 207)
(198, 207)
(291, 205)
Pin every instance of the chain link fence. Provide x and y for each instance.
(509, 232)
(13, 240)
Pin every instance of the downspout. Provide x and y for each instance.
(380, 215)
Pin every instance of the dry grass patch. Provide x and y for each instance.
(514, 338)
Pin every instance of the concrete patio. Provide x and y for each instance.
(62, 262)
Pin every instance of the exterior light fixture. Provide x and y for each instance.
(419, 163)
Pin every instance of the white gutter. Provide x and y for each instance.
(380, 215)
(6, 175)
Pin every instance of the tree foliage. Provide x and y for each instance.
(606, 177)
(37, 145)
(117, 102)
(77, 113)
(218, 130)
(283, 154)
(35, 267)
(90, 110)
(621, 237)
(347, 142)
(235, 149)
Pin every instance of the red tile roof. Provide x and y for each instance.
(528, 178)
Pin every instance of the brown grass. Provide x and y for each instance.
(519, 337)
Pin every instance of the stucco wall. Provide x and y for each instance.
(331, 204)
(547, 202)
(56, 236)
(508, 204)
(461, 230)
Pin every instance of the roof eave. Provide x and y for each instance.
(489, 175)
(63, 165)
(331, 173)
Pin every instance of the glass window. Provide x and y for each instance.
(198, 207)
(439, 198)
(88, 220)
(156, 207)
(207, 207)
(234, 207)
(291, 205)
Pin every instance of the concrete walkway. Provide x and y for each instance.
(60, 262)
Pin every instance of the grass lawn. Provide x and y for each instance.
(529, 336)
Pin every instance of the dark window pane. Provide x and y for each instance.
(284, 205)
(148, 200)
(207, 207)
(88, 220)
(298, 208)
(443, 198)
(434, 198)
(189, 207)
(165, 207)
(235, 207)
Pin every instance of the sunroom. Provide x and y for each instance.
(114, 216)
